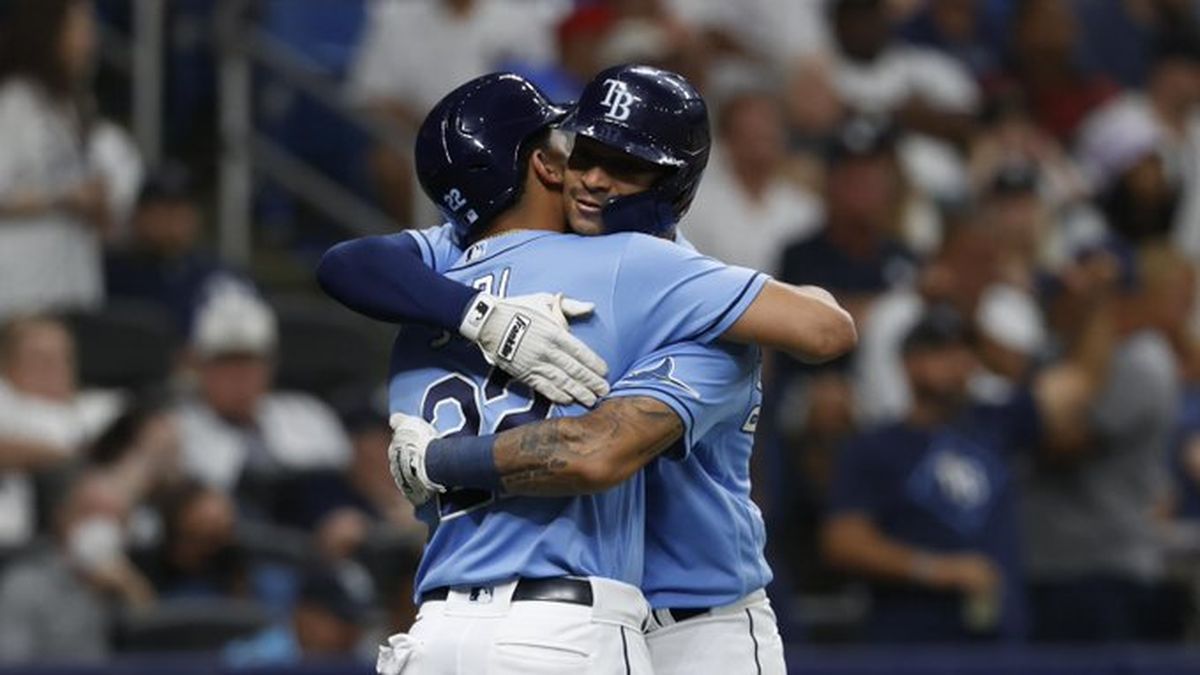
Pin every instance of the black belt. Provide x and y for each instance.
(686, 613)
(554, 589)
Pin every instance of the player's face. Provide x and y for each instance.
(597, 173)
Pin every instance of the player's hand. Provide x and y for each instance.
(406, 457)
(527, 336)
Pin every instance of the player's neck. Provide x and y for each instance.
(534, 211)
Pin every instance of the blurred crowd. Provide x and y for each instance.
(1005, 194)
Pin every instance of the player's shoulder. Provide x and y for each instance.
(636, 246)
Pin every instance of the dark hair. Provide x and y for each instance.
(30, 33)
(115, 443)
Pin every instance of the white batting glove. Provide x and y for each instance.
(406, 457)
(527, 336)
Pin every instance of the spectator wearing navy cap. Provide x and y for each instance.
(924, 508)
(164, 263)
(856, 254)
(327, 621)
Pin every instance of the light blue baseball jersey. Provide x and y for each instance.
(704, 536)
(438, 250)
(648, 294)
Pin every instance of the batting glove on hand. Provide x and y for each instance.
(406, 457)
(527, 336)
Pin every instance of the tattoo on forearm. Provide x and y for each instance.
(548, 458)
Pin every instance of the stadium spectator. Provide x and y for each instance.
(1093, 555)
(927, 91)
(1136, 188)
(198, 556)
(856, 254)
(962, 270)
(924, 508)
(963, 29)
(140, 451)
(773, 33)
(1170, 100)
(45, 421)
(1119, 38)
(58, 604)
(365, 487)
(747, 182)
(328, 621)
(63, 171)
(393, 78)
(163, 263)
(578, 37)
(239, 436)
(1045, 71)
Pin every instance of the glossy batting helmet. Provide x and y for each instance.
(468, 149)
(657, 116)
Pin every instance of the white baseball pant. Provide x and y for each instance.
(482, 631)
(741, 638)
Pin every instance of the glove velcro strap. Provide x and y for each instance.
(478, 311)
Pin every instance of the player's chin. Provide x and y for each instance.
(587, 224)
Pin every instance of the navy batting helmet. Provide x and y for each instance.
(657, 116)
(468, 149)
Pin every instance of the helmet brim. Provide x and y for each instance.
(626, 139)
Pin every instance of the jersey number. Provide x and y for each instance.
(462, 393)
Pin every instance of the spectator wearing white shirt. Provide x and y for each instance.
(748, 208)
(44, 419)
(415, 51)
(55, 206)
(927, 92)
(236, 431)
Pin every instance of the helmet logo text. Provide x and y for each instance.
(618, 99)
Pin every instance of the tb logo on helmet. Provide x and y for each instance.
(618, 99)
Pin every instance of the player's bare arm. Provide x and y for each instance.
(552, 458)
(585, 454)
(804, 321)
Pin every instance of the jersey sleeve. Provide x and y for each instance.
(664, 293)
(438, 250)
(704, 384)
(390, 278)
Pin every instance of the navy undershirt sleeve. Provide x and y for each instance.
(385, 278)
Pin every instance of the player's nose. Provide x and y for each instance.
(596, 179)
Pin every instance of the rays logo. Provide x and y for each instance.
(618, 99)
(664, 372)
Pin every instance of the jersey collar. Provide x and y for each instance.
(491, 247)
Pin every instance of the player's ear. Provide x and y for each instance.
(548, 166)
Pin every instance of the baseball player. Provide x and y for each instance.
(705, 571)
(720, 595)
(511, 584)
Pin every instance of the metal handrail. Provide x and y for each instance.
(139, 55)
(242, 46)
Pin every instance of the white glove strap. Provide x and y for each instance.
(481, 307)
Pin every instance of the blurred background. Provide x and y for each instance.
(1005, 193)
